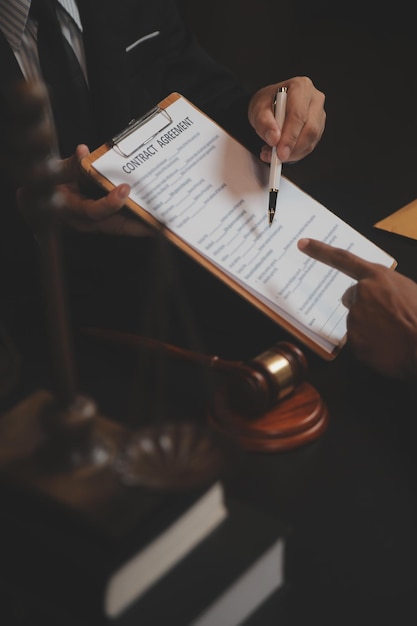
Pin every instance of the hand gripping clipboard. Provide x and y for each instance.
(136, 136)
(210, 194)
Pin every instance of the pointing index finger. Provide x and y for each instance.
(342, 260)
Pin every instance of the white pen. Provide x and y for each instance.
(276, 164)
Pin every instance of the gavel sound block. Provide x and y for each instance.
(298, 419)
(263, 405)
(287, 412)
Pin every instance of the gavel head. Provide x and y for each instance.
(258, 385)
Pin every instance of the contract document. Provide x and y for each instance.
(211, 195)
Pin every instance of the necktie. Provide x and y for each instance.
(62, 73)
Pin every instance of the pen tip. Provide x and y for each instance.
(273, 194)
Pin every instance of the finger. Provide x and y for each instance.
(94, 210)
(340, 259)
(301, 132)
(304, 122)
(295, 119)
(261, 114)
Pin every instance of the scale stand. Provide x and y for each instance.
(56, 444)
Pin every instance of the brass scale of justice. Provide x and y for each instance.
(59, 443)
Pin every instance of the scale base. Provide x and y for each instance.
(297, 420)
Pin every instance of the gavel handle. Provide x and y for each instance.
(133, 342)
(252, 387)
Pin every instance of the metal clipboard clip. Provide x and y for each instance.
(153, 122)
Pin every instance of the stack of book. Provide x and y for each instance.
(192, 560)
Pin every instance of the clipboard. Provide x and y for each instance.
(141, 144)
(154, 121)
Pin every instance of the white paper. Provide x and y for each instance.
(213, 194)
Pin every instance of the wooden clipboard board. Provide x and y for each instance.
(155, 121)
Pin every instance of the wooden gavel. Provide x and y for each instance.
(251, 387)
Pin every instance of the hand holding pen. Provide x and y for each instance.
(276, 164)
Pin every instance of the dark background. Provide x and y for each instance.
(361, 55)
(349, 497)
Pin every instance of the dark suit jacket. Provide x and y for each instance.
(124, 85)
